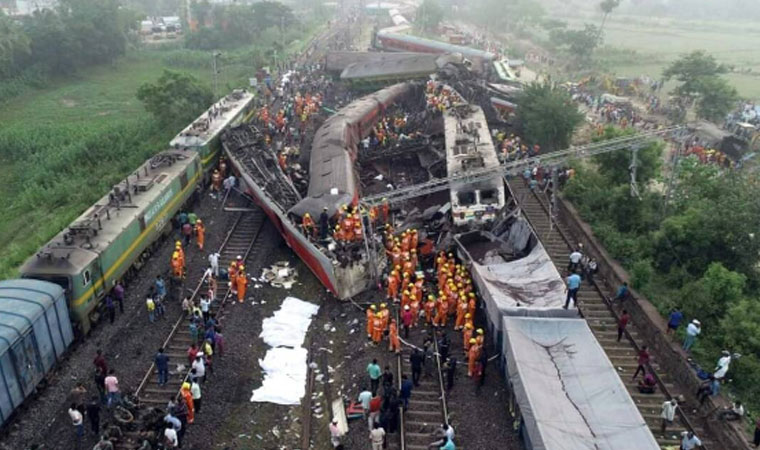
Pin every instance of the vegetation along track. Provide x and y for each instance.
(427, 405)
(602, 318)
(241, 240)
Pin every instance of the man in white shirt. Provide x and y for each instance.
(723, 364)
(195, 390)
(170, 437)
(364, 397)
(200, 367)
(205, 308)
(668, 414)
(692, 331)
(76, 420)
(377, 437)
(213, 260)
(689, 441)
(575, 260)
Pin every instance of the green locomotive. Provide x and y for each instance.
(114, 236)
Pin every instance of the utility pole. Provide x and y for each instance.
(215, 55)
(632, 170)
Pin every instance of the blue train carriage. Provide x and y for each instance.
(114, 236)
(35, 332)
(203, 134)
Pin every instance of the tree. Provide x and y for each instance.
(52, 45)
(14, 45)
(429, 15)
(175, 98)
(717, 98)
(580, 43)
(95, 28)
(547, 115)
(607, 6)
(616, 165)
(690, 70)
(272, 14)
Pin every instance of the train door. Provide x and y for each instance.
(95, 274)
(26, 360)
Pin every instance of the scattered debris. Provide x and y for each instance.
(280, 275)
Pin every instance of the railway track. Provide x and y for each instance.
(240, 240)
(602, 319)
(427, 409)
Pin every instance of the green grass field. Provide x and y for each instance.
(62, 147)
(660, 41)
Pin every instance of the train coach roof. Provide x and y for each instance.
(570, 395)
(80, 242)
(21, 303)
(207, 126)
(438, 45)
(422, 64)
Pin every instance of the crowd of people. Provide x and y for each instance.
(440, 97)
(432, 307)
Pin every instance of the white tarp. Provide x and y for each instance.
(570, 396)
(529, 286)
(284, 364)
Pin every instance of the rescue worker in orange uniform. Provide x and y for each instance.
(241, 280)
(415, 309)
(408, 267)
(414, 240)
(371, 311)
(178, 248)
(393, 284)
(442, 312)
(200, 232)
(307, 224)
(385, 315)
(429, 308)
(386, 210)
(406, 242)
(461, 311)
(232, 276)
(188, 398)
(479, 337)
(466, 336)
(471, 304)
(338, 234)
(176, 265)
(394, 345)
(377, 328)
(472, 356)
(405, 298)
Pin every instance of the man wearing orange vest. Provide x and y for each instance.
(232, 276)
(472, 356)
(429, 308)
(307, 224)
(371, 311)
(377, 328)
(385, 315)
(442, 313)
(461, 311)
(176, 265)
(467, 335)
(241, 280)
(200, 232)
(393, 283)
(178, 249)
(393, 342)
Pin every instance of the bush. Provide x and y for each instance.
(641, 273)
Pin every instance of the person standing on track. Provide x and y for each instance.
(377, 437)
(76, 421)
(622, 323)
(394, 345)
(416, 360)
(112, 388)
(110, 308)
(213, 260)
(373, 369)
(200, 234)
(472, 357)
(162, 364)
(407, 319)
(93, 414)
(205, 307)
(364, 398)
(242, 282)
(118, 295)
(573, 281)
(406, 390)
(668, 414)
(195, 391)
(643, 360)
(188, 399)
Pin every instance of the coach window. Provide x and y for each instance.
(86, 277)
(489, 197)
(466, 198)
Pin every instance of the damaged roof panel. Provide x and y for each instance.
(569, 393)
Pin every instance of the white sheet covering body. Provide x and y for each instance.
(284, 364)
(569, 393)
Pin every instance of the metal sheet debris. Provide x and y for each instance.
(279, 275)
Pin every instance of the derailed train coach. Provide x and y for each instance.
(396, 42)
